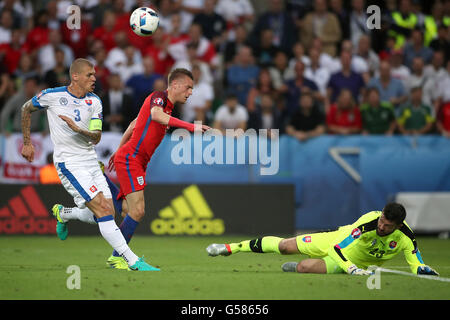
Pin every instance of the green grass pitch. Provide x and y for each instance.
(35, 267)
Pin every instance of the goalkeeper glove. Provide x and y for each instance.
(427, 271)
(354, 270)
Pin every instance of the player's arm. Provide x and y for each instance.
(27, 149)
(94, 133)
(163, 118)
(412, 254)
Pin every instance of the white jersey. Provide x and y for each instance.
(69, 146)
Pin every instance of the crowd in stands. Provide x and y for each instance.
(305, 67)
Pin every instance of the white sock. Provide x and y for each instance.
(112, 234)
(85, 215)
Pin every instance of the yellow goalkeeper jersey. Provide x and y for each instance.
(359, 244)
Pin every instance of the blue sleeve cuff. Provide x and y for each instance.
(36, 103)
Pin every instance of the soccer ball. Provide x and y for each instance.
(144, 21)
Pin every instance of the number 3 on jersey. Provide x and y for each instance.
(77, 115)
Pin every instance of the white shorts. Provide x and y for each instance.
(83, 181)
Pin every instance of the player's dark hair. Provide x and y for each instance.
(394, 212)
(178, 73)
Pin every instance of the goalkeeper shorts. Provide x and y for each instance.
(316, 246)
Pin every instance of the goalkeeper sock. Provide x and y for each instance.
(267, 244)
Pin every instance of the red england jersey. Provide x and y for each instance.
(147, 134)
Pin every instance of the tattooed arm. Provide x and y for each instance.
(27, 149)
(93, 135)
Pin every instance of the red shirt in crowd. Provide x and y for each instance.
(348, 118)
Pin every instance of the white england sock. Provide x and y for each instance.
(85, 215)
(112, 234)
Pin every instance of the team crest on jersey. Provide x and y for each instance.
(306, 239)
(356, 233)
(158, 101)
(93, 188)
(392, 244)
(63, 101)
(140, 180)
(88, 102)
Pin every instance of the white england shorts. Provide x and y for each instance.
(83, 181)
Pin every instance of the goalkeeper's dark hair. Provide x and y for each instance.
(395, 212)
(178, 73)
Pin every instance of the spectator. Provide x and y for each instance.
(307, 121)
(188, 9)
(242, 75)
(231, 115)
(46, 54)
(442, 43)
(233, 46)
(38, 36)
(265, 50)
(141, 84)
(322, 24)
(58, 76)
(6, 26)
(266, 115)
(198, 106)
(106, 32)
(442, 96)
(415, 117)
(26, 69)
(434, 73)
(263, 85)
(173, 32)
(48, 173)
(117, 58)
(358, 22)
(402, 22)
(132, 65)
(415, 48)
(280, 22)
(206, 74)
(212, 23)
(101, 71)
(417, 77)
(366, 56)
(116, 106)
(391, 90)
(165, 13)
(279, 72)
(205, 49)
(316, 72)
(345, 79)
(13, 51)
(294, 88)
(299, 54)
(344, 117)
(235, 12)
(10, 118)
(343, 16)
(98, 11)
(158, 51)
(433, 23)
(377, 117)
